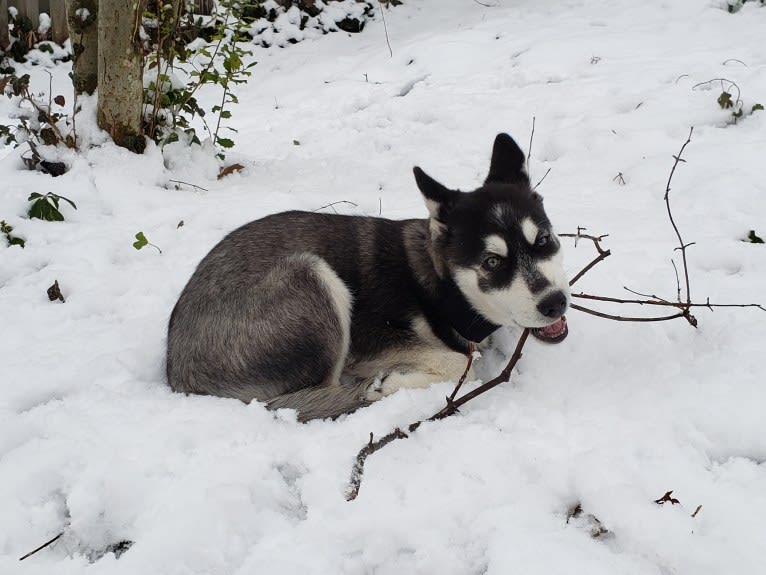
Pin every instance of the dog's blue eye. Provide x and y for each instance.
(542, 240)
(491, 262)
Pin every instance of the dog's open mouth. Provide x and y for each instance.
(553, 333)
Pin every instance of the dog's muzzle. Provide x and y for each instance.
(554, 333)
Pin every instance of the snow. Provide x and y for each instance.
(94, 444)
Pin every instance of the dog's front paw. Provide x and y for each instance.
(375, 390)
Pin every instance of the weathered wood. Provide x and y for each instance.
(5, 39)
(120, 74)
(83, 29)
(59, 28)
(30, 9)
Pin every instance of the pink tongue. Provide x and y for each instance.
(554, 328)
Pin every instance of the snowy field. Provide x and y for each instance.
(93, 443)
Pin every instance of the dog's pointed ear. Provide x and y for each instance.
(508, 162)
(439, 199)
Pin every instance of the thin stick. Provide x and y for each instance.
(332, 204)
(188, 184)
(602, 253)
(385, 28)
(504, 376)
(621, 318)
(541, 179)
(43, 546)
(531, 139)
(662, 302)
(683, 246)
(471, 351)
(451, 408)
(656, 297)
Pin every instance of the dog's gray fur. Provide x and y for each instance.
(326, 313)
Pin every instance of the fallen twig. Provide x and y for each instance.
(385, 29)
(43, 546)
(333, 204)
(450, 409)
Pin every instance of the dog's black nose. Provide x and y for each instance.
(554, 305)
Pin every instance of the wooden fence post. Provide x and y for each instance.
(59, 29)
(5, 39)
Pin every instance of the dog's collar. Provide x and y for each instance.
(462, 317)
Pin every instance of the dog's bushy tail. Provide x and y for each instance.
(323, 401)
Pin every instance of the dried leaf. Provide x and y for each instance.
(225, 171)
(54, 292)
(667, 499)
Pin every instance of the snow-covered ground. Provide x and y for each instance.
(94, 444)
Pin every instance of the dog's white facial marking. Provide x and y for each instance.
(496, 245)
(512, 305)
(553, 270)
(530, 231)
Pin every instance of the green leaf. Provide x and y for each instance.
(45, 207)
(141, 241)
(296, 143)
(754, 239)
(757, 107)
(225, 142)
(42, 209)
(225, 114)
(725, 101)
(6, 230)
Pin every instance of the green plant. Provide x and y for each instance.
(171, 106)
(729, 100)
(141, 242)
(12, 240)
(46, 207)
(37, 121)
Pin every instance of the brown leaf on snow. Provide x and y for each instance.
(54, 292)
(667, 498)
(225, 171)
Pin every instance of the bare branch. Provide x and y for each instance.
(43, 546)
(531, 139)
(451, 408)
(471, 351)
(621, 318)
(662, 302)
(333, 204)
(540, 181)
(385, 29)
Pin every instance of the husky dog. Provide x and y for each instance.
(327, 313)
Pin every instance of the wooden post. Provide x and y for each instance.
(5, 39)
(59, 29)
(31, 9)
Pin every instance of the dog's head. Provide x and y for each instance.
(499, 247)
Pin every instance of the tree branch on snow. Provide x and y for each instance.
(684, 312)
(43, 546)
(684, 306)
